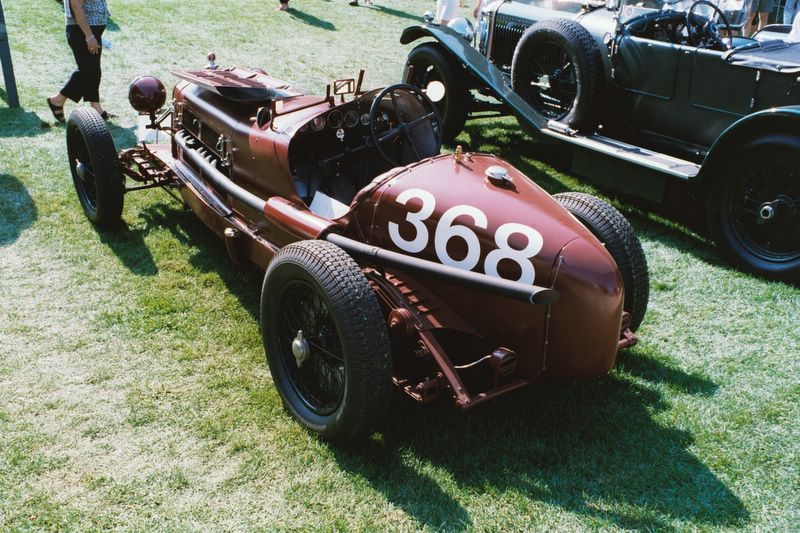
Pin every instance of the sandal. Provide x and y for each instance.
(58, 111)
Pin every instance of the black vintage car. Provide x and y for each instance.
(653, 95)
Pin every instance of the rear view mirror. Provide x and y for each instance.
(347, 86)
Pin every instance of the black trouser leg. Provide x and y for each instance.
(85, 80)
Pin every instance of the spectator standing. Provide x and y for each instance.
(761, 9)
(446, 10)
(789, 11)
(86, 21)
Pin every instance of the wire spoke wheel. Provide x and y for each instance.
(557, 69)
(325, 341)
(753, 207)
(764, 210)
(310, 348)
(552, 84)
(95, 170)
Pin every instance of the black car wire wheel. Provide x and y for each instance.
(557, 70)
(326, 341)
(753, 209)
(551, 84)
(428, 64)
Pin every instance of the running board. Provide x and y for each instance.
(627, 152)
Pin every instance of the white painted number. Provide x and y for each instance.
(521, 257)
(446, 230)
(420, 241)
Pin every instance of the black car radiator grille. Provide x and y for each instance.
(506, 34)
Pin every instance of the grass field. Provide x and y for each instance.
(134, 393)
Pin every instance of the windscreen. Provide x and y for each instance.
(736, 11)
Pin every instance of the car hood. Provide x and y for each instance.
(449, 211)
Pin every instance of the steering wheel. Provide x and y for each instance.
(710, 27)
(406, 122)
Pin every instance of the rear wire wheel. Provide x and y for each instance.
(613, 229)
(753, 208)
(95, 168)
(326, 342)
(429, 63)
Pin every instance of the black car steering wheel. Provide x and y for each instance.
(710, 28)
(411, 109)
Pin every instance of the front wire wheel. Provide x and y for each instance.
(326, 342)
(753, 209)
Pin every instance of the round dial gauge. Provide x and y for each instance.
(365, 119)
(335, 119)
(350, 118)
(318, 123)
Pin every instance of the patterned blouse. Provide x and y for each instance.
(96, 12)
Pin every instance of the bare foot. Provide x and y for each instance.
(282, 7)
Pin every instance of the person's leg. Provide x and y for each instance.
(789, 11)
(73, 89)
(284, 5)
(93, 73)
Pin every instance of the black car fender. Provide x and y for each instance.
(769, 121)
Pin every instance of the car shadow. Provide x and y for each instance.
(129, 247)
(17, 209)
(585, 448)
(311, 20)
(397, 13)
(594, 449)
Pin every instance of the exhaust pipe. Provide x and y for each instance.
(465, 278)
(203, 160)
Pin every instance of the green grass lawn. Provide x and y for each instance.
(134, 393)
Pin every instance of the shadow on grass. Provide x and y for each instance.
(397, 13)
(311, 20)
(21, 123)
(17, 209)
(129, 247)
(592, 449)
(596, 449)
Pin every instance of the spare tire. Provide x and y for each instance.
(616, 233)
(558, 70)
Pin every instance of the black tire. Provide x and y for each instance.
(753, 208)
(95, 169)
(317, 286)
(613, 229)
(429, 62)
(568, 94)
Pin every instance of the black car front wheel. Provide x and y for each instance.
(443, 80)
(558, 70)
(326, 342)
(753, 208)
(94, 167)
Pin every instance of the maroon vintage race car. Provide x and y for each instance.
(387, 264)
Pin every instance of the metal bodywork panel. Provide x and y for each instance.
(239, 178)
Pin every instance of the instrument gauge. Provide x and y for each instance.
(365, 119)
(350, 118)
(335, 119)
(318, 123)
